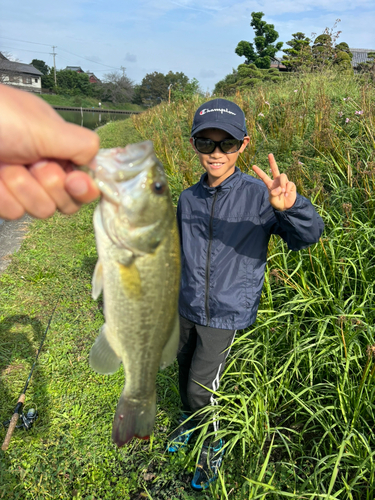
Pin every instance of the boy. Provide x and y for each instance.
(225, 222)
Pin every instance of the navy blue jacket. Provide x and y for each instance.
(224, 234)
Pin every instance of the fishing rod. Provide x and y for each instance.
(31, 416)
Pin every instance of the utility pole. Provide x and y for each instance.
(123, 71)
(54, 61)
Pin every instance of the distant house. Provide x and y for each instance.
(93, 78)
(360, 56)
(19, 75)
(276, 63)
(78, 69)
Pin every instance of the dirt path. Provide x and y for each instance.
(11, 235)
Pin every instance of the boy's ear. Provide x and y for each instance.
(246, 141)
(192, 143)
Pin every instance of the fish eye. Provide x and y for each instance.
(158, 187)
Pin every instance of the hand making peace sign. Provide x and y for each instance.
(282, 193)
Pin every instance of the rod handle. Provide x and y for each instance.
(13, 423)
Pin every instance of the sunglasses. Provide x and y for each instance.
(208, 146)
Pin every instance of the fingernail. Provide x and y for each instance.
(77, 187)
(39, 164)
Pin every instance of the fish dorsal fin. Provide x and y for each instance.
(103, 358)
(97, 280)
(170, 348)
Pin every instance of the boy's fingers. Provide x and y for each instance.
(273, 165)
(290, 189)
(10, 208)
(283, 179)
(277, 191)
(267, 181)
(51, 177)
(71, 142)
(81, 187)
(27, 191)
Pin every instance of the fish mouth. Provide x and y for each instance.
(122, 164)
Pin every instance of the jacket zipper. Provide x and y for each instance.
(208, 262)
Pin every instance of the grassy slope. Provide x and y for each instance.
(87, 102)
(296, 400)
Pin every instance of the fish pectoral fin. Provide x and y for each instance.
(170, 349)
(103, 358)
(97, 280)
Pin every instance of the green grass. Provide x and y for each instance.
(296, 402)
(118, 133)
(87, 102)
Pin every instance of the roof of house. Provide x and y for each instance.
(360, 55)
(91, 75)
(16, 67)
(276, 63)
(75, 68)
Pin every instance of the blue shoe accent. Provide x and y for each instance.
(208, 465)
(180, 437)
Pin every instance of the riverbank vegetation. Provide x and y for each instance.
(296, 400)
(87, 102)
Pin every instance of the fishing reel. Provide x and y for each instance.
(26, 420)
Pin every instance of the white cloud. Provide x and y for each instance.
(207, 73)
(130, 57)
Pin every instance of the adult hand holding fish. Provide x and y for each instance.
(38, 151)
(139, 272)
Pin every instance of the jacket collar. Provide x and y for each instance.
(226, 185)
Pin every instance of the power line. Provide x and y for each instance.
(25, 50)
(25, 41)
(90, 60)
(67, 51)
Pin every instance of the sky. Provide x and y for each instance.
(196, 37)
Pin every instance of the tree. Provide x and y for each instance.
(153, 89)
(178, 80)
(182, 87)
(226, 86)
(323, 50)
(68, 82)
(41, 66)
(298, 56)
(263, 41)
(327, 54)
(246, 76)
(116, 87)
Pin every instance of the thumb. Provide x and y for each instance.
(81, 187)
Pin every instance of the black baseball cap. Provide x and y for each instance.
(221, 114)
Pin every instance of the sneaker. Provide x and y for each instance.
(180, 437)
(208, 465)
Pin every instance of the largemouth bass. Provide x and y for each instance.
(139, 272)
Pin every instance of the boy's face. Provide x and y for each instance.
(218, 165)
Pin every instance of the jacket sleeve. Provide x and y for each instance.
(300, 226)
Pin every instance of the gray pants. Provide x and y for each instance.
(201, 357)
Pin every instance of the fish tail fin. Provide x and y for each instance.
(133, 419)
